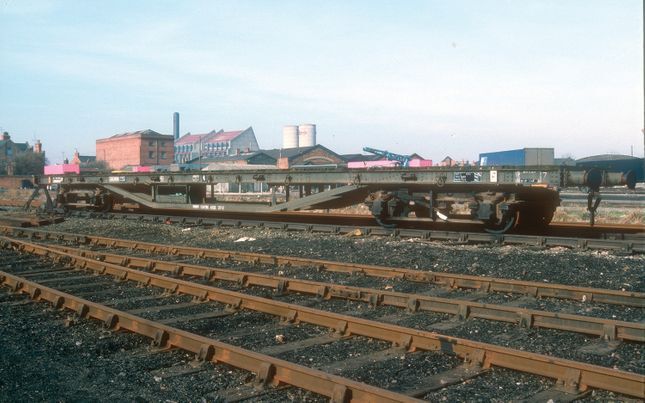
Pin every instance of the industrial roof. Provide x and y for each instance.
(225, 136)
(189, 139)
(275, 153)
(214, 136)
(224, 158)
(287, 152)
(292, 153)
(138, 133)
(607, 157)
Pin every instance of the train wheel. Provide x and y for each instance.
(504, 224)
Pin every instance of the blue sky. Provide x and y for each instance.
(434, 77)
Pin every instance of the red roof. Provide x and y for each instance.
(141, 133)
(190, 139)
(211, 137)
(224, 136)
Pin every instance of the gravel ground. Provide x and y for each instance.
(597, 269)
(546, 304)
(591, 269)
(42, 360)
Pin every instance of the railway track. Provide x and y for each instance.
(622, 238)
(268, 370)
(573, 377)
(452, 281)
(607, 329)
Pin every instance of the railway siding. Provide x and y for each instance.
(571, 373)
(463, 309)
(479, 283)
(269, 370)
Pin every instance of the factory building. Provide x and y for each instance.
(215, 144)
(257, 159)
(140, 148)
(521, 157)
(614, 163)
(314, 155)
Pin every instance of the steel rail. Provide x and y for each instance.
(608, 329)
(451, 280)
(269, 370)
(625, 244)
(582, 375)
(368, 220)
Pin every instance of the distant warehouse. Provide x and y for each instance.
(521, 157)
(143, 147)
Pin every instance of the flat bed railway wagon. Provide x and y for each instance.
(501, 198)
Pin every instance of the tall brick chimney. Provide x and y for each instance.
(38, 147)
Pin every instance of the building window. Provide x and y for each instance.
(163, 144)
(163, 155)
(151, 143)
(151, 154)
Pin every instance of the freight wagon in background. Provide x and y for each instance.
(521, 157)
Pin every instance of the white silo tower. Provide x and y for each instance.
(307, 135)
(290, 136)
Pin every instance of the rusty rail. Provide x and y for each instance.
(581, 236)
(269, 370)
(451, 280)
(608, 329)
(582, 375)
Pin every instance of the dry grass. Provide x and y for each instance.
(604, 215)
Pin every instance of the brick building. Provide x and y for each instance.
(143, 147)
(215, 144)
(10, 150)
